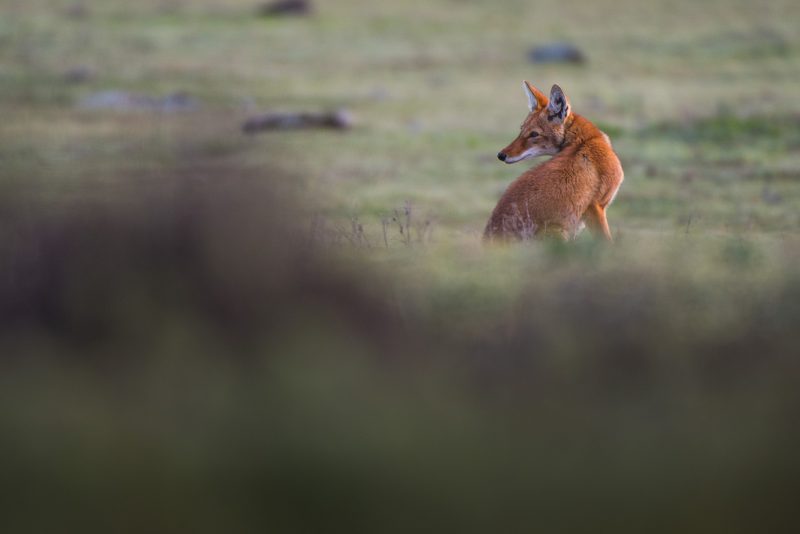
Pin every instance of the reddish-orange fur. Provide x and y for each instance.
(576, 185)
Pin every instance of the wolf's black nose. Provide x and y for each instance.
(501, 156)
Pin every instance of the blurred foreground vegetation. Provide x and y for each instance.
(188, 365)
(203, 331)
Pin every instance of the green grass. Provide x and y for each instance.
(703, 91)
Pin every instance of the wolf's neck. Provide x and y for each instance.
(578, 130)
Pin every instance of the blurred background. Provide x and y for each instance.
(242, 287)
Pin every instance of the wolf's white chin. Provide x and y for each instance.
(525, 155)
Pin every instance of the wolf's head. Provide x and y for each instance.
(542, 132)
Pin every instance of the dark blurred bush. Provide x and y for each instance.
(185, 360)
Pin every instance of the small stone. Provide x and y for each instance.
(124, 101)
(556, 53)
(338, 120)
(79, 74)
(77, 11)
(180, 101)
(285, 7)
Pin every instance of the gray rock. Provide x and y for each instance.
(79, 74)
(179, 101)
(77, 10)
(337, 120)
(125, 101)
(285, 7)
(556, 53)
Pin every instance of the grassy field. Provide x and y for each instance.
(206, 331)
(701, 100)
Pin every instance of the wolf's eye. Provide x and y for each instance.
(533, 134)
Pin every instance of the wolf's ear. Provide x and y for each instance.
(558, 109)
(536, 98)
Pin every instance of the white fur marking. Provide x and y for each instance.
(532, 102)
(614, 195)
(530, 153)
